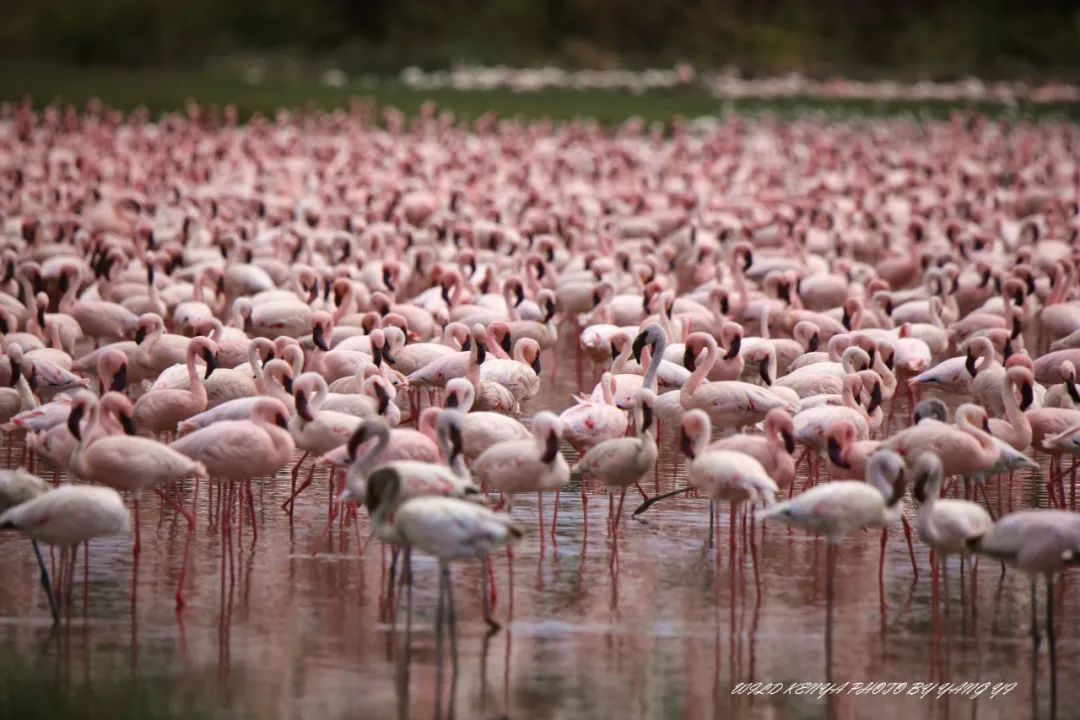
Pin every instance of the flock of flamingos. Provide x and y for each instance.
(891, 304)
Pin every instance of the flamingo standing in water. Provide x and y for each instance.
(621, 462)
(533, 465)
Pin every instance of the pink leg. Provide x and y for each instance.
(555, 516)
(138, 534)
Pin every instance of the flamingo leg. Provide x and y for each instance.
(45, 584)
(555, 516)
(910, 547)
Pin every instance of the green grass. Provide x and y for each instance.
(168, 90)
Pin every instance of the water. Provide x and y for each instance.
(650, 625)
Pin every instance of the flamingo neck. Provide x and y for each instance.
(700, 372)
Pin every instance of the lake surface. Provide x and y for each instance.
(652, 624)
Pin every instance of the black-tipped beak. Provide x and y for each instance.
(4, 327)
(748, 261)
(736, 346)
(969, 363)
(507, 344)
(763, 370)
(16, 369)
(387, 356)
(812, 346)
(74, 420)
(446, 294)
(789, 441)
(451, 400)
(1016, 329)
(919, 491)
(846, 320)
(481, 353)
(1027, 395)
(377, 355)
(318, 338)
(783, 291)
(64, 282)
(646, 417)
(388, 280)
(688, 360)
(549, 310)
(127, 423)
(281, 421)
(836, 454)
(41, 317)
(119, 379)
(287, 384)
(1070, 385)
(986, 425)
(686, 444)
(872, 355)
(875, 399)
(383, 397)
(638, 346)
(614, 351)
(211, 363)
(302, 408)
(140, 335)
(551, 448)
(890, 360)
(1007, 351)
(595, 298)
(536, 364)
(1030, 284)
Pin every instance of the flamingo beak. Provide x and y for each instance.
(986, 424)
(211, 363)
(41, 316)
(875, 399)
(551, 448)
(467, 345)
(725, 305)
(789, 441)
(638, 346)
(1070, 385)
(287, 384)
(281, 421)
(74, 420)
(749, 261)
(506, 343)
(376, 354)
(763, 370)
(688, 360)
(302, 406)
(919, 491)
(969, 363)
(836, 454)
(846, 319)
(686, 444)
(812, 346)
(446, 294)
(387, 356)
(319, 339)
(127, 423)
(451, 400)
(736, 346)
(1027, 395)
(15, 370)
(550, 312)
(481, 353)
(388, 279)
(4, 328)
(383, 397)
(783, 291)
(536, 364)
(119, 379)
(646, 417)
(140, 335)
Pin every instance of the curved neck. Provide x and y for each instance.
(1016, 417)
(654, 364)
(700, 372)
(986, 443)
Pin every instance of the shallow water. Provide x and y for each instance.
(652, 624)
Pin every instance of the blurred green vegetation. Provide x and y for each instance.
(915, 38)
(160, 90)
(29, 695)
